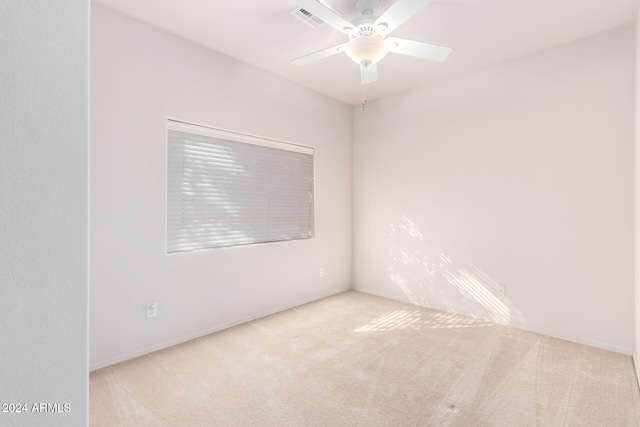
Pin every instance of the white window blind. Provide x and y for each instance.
(227, 189)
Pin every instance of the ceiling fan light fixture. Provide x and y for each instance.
(367, 33)
(367, 50)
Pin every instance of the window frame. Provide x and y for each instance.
(234, 137)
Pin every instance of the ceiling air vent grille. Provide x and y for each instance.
(308, 18)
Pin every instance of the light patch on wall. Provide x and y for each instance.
(425, 275)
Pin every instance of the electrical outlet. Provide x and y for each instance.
(501, 291)
(152, 310)
(321, 272)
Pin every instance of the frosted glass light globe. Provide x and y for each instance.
(367, 50)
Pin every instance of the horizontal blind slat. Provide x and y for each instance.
(224, 192)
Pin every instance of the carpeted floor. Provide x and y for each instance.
(360, 360)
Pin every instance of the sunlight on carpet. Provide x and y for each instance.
(360, 360)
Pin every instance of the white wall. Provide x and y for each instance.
(141, 76)
(518, 176)
(636, 353)
(44, 129)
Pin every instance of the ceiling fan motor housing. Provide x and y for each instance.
(364, 26)
(364, 22)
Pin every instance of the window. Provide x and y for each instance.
(228, 189)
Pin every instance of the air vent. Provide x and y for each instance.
(308, 18)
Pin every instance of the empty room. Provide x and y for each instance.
(337, 212)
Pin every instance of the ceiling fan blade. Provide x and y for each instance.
(399, 13)
(324, 53)
(368, 74)
(418, 49)
(327, 15)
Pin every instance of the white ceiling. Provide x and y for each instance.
(480, 32)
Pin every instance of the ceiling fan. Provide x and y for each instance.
(368, 42)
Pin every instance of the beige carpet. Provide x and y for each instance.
(360, 360)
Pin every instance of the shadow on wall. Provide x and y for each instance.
(430, 277)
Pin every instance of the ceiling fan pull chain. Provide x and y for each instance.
(364, 97)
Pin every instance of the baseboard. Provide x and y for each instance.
(579, 340)
(156, 347)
